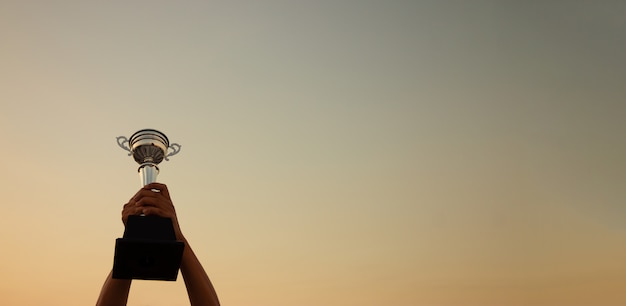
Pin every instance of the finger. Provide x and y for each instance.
(143, 193)
(134, 198)
(130, 206)
(129, 210)
(165, 192)
(151, 201)
(162, 188)
(155, 211)
(159, 202)
(150, 190)
(153, 191)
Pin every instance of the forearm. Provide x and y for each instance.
(114, 292)
(199, 286)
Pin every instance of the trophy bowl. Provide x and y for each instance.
(149, 145)
(149, 148)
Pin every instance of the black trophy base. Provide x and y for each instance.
(149, 250)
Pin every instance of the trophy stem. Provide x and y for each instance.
(148, 173)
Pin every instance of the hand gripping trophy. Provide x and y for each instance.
(149, 249)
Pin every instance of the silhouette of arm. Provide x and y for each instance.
(114, 292)
(154, 199)
(199, 287)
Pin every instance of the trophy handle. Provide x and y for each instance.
(175, 149)
(121, 140)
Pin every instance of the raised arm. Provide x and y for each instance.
(154, 199)
(114, 292)
(199, 287)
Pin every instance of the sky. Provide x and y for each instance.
(406, 153)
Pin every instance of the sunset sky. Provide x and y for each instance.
(338, 153)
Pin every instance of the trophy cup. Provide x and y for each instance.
(149, 249)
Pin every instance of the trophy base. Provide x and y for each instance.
(149, 250)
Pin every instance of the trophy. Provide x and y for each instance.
(149, 249)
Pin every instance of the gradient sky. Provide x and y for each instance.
(405, 153)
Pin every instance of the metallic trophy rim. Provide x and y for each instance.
(147, 137)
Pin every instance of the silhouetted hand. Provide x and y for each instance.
(152, 200)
